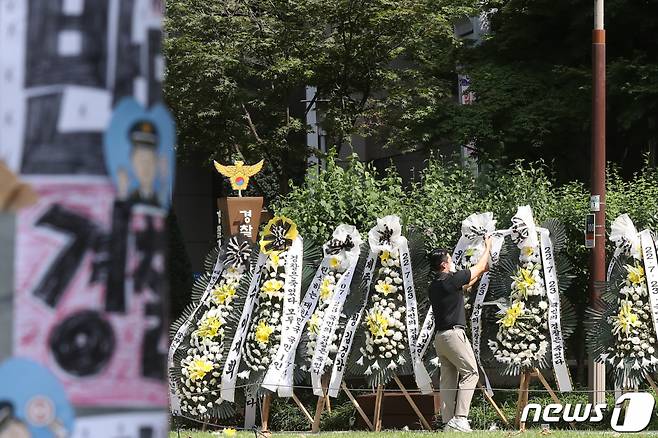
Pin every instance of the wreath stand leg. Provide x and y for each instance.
(522, 400)
(377, 420)
(358, 407)
(526, 376)
(413, 405)
(652, 383)
(322, 402)
(493, 403)
(267, 404)
(302, 408)
(437, 402)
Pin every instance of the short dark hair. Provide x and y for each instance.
(437, 257)
(143, 134)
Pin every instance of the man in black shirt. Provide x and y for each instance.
(459, 374)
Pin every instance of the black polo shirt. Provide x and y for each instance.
(447, 298)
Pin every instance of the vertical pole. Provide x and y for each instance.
(597, 371)
(377, 420)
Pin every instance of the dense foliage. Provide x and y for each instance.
(532, 78)
(446, 194)
(236, 72)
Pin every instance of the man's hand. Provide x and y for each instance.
(483, 264)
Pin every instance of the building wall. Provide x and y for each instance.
(194, 206)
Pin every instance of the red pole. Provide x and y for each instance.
(598, 271)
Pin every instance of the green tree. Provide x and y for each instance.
(236, 72)
(532, 79)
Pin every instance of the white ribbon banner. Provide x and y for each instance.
(651, 271)
(423, 380)
(613, 262)
(497, 240)
(230, 372)
(174, 404)
(462, 245)
(250, 404)
(425, 336)
(328, 327)
(279, 375)
(560, 368)
(353, 321)
(476, 329)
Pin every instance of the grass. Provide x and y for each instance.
(533, 433)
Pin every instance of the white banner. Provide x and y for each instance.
(250, 404)
(294, 268)
(560, 368)
(497, 240)
(353, 321)
(425, 337)
(328, 327)
(230, 372)
(174, 401)
(279, 376)
(613, 262)
(462, 245)
(423, 380)
(476, 328)
(651, 271)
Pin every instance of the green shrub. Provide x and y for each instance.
(446, 193)
(342, 417)
(353, 195)
(286, 415)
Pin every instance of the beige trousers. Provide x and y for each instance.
(459, 373)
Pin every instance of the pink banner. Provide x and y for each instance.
(70, 316)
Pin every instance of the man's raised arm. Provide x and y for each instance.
(482, 265)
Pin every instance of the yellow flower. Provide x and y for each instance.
(635, 274)
(314, 324)
(272, 287)
(223, 294)
(334, 263)
(384, 256)
(512, 314)
(229, 432)
(198, 369)
(626, 319)
(263, 332)
(209, 327)
(528, 251)
(524, 281)
(325, 289)
(274, 259)
(470, 252)
(377, 323)
(385, 288)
